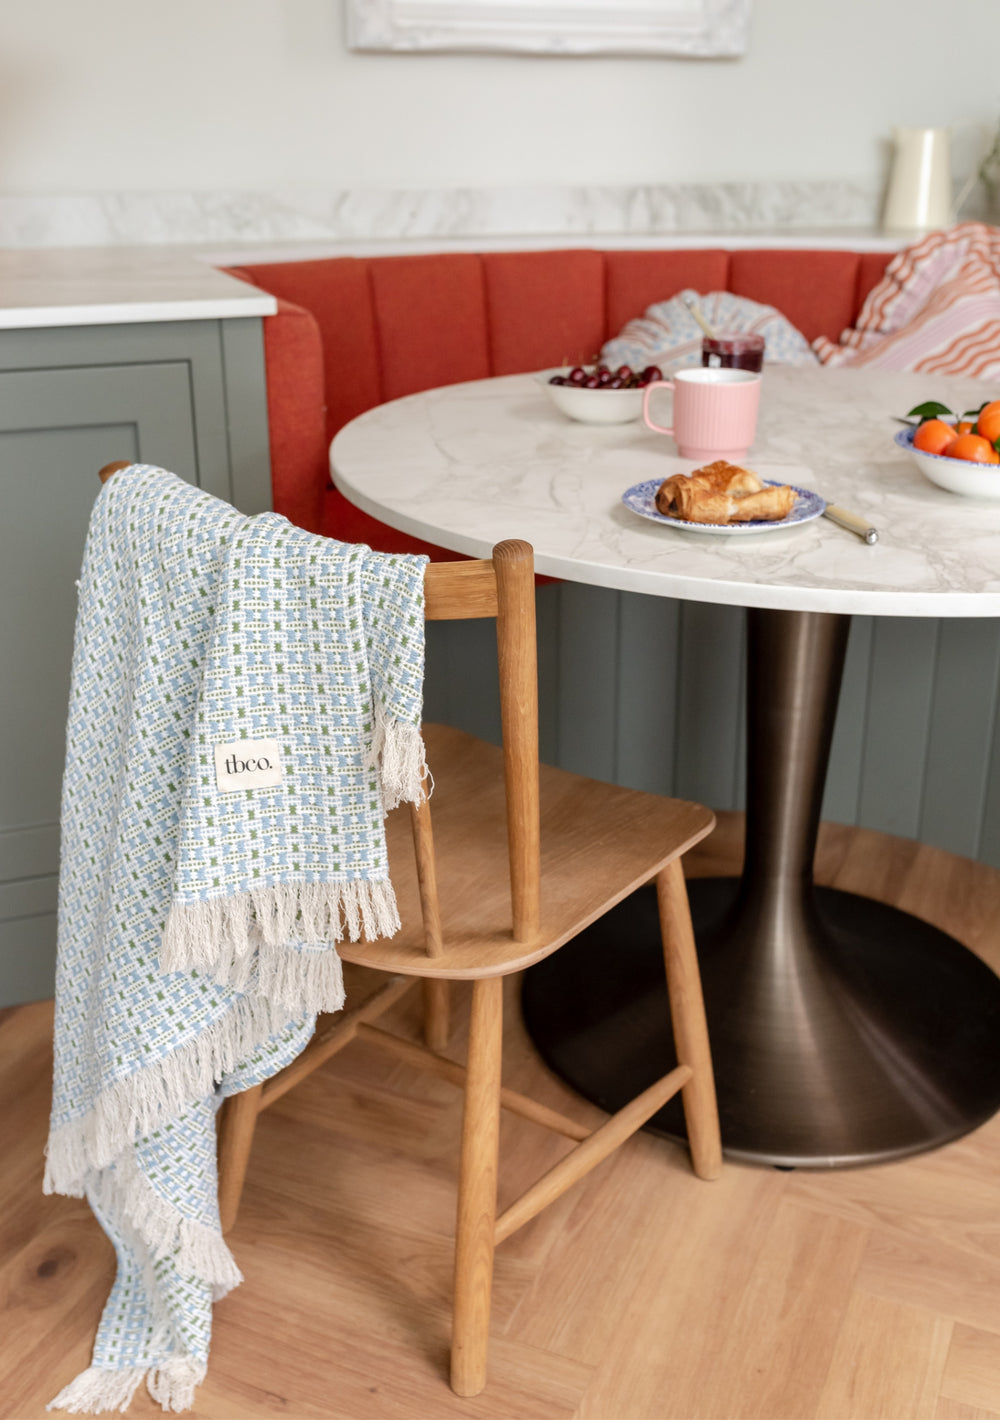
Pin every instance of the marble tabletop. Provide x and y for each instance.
(468, 465)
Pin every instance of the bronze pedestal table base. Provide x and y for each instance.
(843, 1031)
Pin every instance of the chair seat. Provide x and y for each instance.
(635, 835)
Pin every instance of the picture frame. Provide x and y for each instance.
(683, 28)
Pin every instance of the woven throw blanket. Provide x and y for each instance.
(245, 705)
(669, 336)
(936, 309)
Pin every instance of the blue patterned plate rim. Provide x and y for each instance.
(641, 499)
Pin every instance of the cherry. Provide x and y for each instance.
(601, 377)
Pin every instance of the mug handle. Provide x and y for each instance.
(656, 385)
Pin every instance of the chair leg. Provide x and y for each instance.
(477, 1190)
(436, 1012)
(687, 1014)
(236, 1128)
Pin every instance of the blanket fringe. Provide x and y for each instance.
(398, 750)
(201, 1251)
(135, 1106)
(95, 1390)
(66, 1161)
(219, 935)
(306, 980)
(173, 1383)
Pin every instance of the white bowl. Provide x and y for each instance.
(971, 480)
(593, 406)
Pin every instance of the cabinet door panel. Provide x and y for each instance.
(57, 427)
(27, 958)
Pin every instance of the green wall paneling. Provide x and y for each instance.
(960, 736)
(709, 703)
(588, 679)
(649, 640)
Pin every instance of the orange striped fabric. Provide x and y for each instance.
(936, 309)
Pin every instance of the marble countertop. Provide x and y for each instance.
(772, 238)
(472, 464)
(107, 285)
(119, 285)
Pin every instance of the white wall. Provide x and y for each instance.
(132, 95)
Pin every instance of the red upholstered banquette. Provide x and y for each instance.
(352, 332)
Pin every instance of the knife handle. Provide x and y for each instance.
(851, 522)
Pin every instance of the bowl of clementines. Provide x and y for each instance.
(962, 454)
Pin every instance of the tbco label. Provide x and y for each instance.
(248, 764)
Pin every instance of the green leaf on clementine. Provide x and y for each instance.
(930, 409)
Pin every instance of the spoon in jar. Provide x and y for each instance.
(699, 317)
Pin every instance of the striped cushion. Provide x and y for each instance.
(936, 310)
(669, 336)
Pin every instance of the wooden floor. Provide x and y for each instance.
(643, 1294)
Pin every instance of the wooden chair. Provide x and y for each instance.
(575, 847)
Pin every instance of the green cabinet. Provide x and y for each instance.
(187, 395)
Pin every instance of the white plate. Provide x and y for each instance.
(971, 480)
(641, 499)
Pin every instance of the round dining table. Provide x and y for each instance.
(843, 1031)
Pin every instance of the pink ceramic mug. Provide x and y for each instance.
(715, 412)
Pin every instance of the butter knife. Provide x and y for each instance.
(851, 522)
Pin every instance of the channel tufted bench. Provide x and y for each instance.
(353, 332)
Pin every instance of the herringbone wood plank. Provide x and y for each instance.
(643, 1294)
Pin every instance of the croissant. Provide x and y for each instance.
(709, 508)
(684, 490)
(722, 492)
(729, 478)
(767, 506)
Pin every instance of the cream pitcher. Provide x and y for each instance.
(919, 198)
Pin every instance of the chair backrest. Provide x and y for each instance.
(502, 587)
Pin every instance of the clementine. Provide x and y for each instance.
(934, 436)
(974, 448)
(964, 426)
(988, 422)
